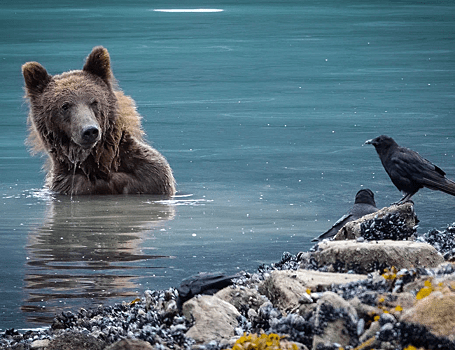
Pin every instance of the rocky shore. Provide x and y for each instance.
(374, 286)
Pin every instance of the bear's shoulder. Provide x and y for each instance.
(128, 118)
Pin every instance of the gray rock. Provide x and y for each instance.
(364, 257)
(241, 297)
(335, 320)
(39, 344)
(363, 310)
(69, 340)
(370, 332)
(360, 327)
(130, 344)
(387, 318)
(285, 288)
(305, 298)
(213, 318)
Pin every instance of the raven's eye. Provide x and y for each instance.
(65, 106)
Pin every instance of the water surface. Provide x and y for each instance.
(261, 110)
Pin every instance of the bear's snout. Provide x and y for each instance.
(85, 129)
(90, 135)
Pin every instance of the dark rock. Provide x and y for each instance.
(295, 327)
(203, 283)
(416, 335)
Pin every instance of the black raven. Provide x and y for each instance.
(364, 204)
(408, 170)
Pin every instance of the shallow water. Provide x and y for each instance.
(261, 110)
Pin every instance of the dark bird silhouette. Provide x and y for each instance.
(408, 170)
(364, 204)
(203, 283)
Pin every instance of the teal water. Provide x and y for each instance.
(261, 109)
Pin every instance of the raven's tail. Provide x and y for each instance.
(329, 234)
(443, 184)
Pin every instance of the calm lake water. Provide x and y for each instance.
(261, 109)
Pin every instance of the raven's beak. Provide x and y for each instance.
(368, 142)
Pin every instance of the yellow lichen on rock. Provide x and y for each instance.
(263, 342)
(434, 308)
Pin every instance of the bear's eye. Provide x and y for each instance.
(94, 104)
(65, 106)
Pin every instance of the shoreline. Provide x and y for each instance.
(349, 294)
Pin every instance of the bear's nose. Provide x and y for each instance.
(90, 134)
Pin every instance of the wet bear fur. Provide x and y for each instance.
(91, 132)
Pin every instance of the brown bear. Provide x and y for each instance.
(91, 132)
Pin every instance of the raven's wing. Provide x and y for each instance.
(436, 180)
(406, 169)
(335, 228)
(409, 171)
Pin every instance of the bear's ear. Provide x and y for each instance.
(36, 77)
(98, 63)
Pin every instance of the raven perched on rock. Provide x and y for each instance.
(364, 204)
(408, 170)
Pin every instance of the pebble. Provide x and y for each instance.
(39, 344)
(305, 299)
(387, 318)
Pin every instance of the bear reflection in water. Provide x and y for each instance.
(89, 249)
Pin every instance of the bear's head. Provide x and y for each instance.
(73, 114)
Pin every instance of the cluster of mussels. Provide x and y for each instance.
(154, 319)
(389, 227)
(443, 241)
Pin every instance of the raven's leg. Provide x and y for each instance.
(406, 198)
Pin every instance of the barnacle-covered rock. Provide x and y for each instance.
(263, 342)
(335, 321)
(75, 340)
(242, 298)
(434, 308)
(396, 222)
(365, 257)
(443, 241)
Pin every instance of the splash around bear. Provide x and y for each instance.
(91, 132)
